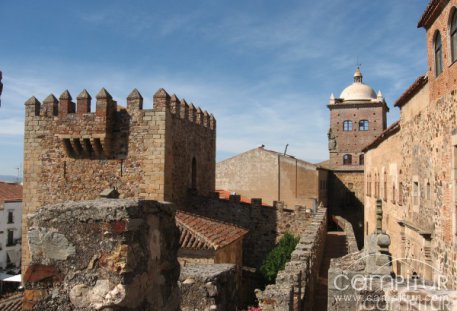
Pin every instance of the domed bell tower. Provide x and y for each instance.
(357, 117)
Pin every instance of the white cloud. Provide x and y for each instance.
(11, 127)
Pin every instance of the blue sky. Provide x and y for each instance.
(265, 69)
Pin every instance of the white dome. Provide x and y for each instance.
(358, 91)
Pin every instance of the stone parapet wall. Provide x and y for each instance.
(294, 288)
(266, 224)
(346, 226)
(103, 254)
(209, 287)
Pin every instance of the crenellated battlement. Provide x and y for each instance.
(65, 109)
(86, 134)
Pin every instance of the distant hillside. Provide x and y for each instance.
(9, 178)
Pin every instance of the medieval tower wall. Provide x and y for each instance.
(71, 153)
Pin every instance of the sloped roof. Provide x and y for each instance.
(10, 191)
(391, 130)
(13, 303)
(198, 232)
(288, 156)
(412, 90)
(432, 11)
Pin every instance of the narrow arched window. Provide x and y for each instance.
(363, 125)
(347, 159)
(453, 35)
(347, 125)
(194, 174)
(438, 54)
(361, 159)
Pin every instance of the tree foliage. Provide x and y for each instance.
(277, 258)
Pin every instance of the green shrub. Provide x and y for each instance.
(277, 258)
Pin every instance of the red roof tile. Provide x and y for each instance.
(13, 303)
(225, 195)
(411, 91)
(10, 191)
(200, 232)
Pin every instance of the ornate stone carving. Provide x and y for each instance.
(331, 141)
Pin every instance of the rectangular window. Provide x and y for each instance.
(10, 217)
(416, 193)
(429, 195)
(393, 193)
(363, 125)
(10, 238)
(347, 125)
(385, 190)
(400, 194)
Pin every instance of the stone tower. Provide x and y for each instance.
(357, 117)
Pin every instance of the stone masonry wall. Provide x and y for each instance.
(103, 254)
(266, 224)
(352, 142)
(295, 285)
(71, 153)
(272, 176)
(422, 219)
(209, 287)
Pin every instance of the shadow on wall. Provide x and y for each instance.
(344, 202)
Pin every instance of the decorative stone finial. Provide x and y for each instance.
(84, 95)
(378, 216)
(161, 93)
(51, 99)
(135, 94)
(65, 95)
(103, 94)
(32, 101)
(358, 75)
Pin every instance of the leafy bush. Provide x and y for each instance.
(277, 258)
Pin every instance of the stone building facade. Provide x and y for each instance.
(10, 227)
(412, 167)
(357, 117)
(71, 153)
(273, 176)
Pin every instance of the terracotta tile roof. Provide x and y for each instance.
(10, 191)
(225, 195)
(198, 232)
(391, 130)
(13, 303)
(411, 91)
(432, 11)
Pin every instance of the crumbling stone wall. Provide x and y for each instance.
(103, 254)
(266, 224)
(209, 287)
(295, 285)
(71, 153)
